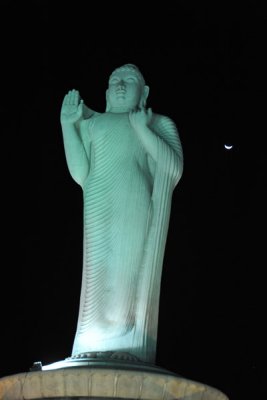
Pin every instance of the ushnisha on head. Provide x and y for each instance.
(127, 90)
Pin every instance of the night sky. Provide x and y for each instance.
(206, 68)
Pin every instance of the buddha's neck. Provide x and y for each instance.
(120, 109)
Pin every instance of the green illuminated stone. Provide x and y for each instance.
(127, 161)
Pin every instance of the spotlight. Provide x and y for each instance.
(37, 366)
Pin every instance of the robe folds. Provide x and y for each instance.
(127, 202)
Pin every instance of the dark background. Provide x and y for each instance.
(205, 65)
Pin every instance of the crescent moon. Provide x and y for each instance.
(228, 146)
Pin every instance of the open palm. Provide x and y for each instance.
(72, 107)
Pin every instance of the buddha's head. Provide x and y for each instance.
(127, 89)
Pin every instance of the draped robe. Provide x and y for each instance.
(127, 202)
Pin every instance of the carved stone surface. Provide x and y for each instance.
(105, 355)
(128, 161)
(103, 383)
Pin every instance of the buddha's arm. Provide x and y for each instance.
(169, 141)
(76, 155)
(159, 134)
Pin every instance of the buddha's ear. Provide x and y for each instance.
(144, 96)
(107, 102)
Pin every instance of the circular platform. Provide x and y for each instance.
(104, 382)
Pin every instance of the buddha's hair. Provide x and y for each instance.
(133, 68)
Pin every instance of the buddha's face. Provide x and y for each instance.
(125, 91)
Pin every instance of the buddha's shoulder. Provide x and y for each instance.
(89, 122)
(161, 120)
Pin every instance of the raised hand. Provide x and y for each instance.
(140, 119)
(72, 107)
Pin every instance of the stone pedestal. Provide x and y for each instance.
(100, 381)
